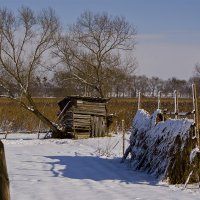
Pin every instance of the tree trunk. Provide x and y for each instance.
(4, 181)
(45, 120)
(56, 133)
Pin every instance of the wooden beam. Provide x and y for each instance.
(87, 112)
(180, 113)
(175, 104)
(123, 138)
(4, 181)
(196, 117)
(159, 99)
(139, 99)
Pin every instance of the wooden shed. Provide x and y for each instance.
(84, 116)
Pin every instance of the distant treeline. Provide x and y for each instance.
(128, 86)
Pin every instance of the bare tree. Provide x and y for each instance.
(63, 79)
(96, 45)
(181, 86)
(154, 85)
(26, 40)
(197, 69)
(196, 80)
(142, 84)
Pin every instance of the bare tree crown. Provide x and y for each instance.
(24, 40)
(94, 46)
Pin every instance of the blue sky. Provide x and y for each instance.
(168, 31)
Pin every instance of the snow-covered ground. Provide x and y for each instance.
(78, 170)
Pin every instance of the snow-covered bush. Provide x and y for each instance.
(163, 148)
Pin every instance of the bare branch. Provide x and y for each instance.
(25, 40)
(95, 45)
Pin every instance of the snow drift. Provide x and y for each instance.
(163, 148)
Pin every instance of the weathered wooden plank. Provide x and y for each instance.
(4, 181)
(82, 125)
(92, 127)
(80, 116)
(90, 103)
(91, 106)
(82, 119)
(78, 128)
(83, 133)
(90, 109)
(96, 126)
(90, 112)
(81, 122)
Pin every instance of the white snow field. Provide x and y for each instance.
(87, 169)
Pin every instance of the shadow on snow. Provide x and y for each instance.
(97, 169)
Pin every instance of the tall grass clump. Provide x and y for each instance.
(18, 119)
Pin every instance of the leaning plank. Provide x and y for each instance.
(4, 181)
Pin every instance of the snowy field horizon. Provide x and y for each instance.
(53, 169)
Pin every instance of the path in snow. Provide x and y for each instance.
(71, 169)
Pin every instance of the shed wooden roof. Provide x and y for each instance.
(72, 99)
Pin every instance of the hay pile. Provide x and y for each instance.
(164, 148)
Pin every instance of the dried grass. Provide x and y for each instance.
(122, 108)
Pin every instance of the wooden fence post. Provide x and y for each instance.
(159, 97)
(196, 117)
(175, 104)
(139, 96)
(4, 181)
(123, 132)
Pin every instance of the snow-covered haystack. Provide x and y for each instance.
(163, 148)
